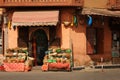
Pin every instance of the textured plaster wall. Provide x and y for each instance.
(12, 38)
(95, 3)
(66, 15)
(12, 34)
(65, 40)
(75, 38)
(78, 35)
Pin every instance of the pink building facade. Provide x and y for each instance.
(92, 36)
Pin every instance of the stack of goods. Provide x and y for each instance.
(14, 67)
(1, 62)
(1, 67)
(15, 55)
(16, 60)
(58, 58)
(29, 63)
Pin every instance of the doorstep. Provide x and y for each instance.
(110, 66)
(78, 68)
(36, 68)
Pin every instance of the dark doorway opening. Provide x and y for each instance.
(39, 46)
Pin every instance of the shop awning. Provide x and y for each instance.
(103, 12)
(35, 18)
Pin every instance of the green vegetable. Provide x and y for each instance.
(50, 60)
(68, 50)
(58, 50)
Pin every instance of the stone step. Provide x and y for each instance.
(36, 68)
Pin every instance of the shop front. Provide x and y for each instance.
(36, 25)
(114, 25)
(102, 35)
(87, 34)
(33, 31)
(38, 28)
(38, 31)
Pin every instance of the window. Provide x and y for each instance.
(115, 43)
(95, 37)
(23, 36)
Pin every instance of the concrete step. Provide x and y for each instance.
(109, 66)
(36, 68)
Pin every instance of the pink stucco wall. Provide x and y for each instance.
(96, 3)
(74, 38)
(12, 38)
(65, 40)
(77, 37)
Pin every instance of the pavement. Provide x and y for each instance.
(84, 73)
(108, 66)
(84, 69)
(89, 68)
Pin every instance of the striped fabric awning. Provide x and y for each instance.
(35, 18)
